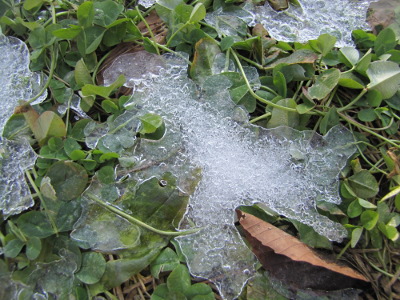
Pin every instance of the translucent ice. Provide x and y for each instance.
(313, 18)
(241, 164)
(15, 158)
(17, 82)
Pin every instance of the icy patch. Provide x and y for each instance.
(306, 22)
(147, 3)
(17, 82)
(241, 164)
(15, 159)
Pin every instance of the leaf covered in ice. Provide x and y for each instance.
(15, 159)
(241, 164)
(17, 81)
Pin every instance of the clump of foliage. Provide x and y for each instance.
(304, 86)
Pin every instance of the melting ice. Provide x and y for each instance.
(17, 83)
(241, 164)
(313, 18)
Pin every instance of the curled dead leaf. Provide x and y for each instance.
(293, 262)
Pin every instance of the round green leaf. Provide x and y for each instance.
(179, 279)
(354, 209)
(35, 223)
(369, 218)
(68, 179)
(364, 184)
(33, 248)
(166, 261)
(367, 115)
(13, 248)
(106, 174)
(385, 77)
(92, 269)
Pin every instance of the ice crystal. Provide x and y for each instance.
(241, 164)
(15, 158)
(313, 18)
(17, 81)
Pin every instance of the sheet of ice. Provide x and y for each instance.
(241, 164)
(305, 22)
(15, 158)
(147, 3)
(17, 82)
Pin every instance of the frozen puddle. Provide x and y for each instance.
(241, 164)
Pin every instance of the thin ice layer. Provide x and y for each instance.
(241, 164)
(313, 18)
(15, 159)
(17, 82)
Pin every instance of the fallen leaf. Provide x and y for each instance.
(293, 262)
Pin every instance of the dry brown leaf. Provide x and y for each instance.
(290, 260)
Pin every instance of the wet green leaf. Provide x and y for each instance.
(369, 218)
(281, 117)
(364, 184)
(13, 248)
(33, 248)
(35, 224)
(205, 51)
(198, 13)
(349, 56)
(200, 291)
(150, 123)
(350, 81)
(355, 236)
(302, 56)
(49, 124)
(92, 268)
(179, 280)
(82, 75)
(354, 209)
(385, 41)
(310, 237)
(384, 77)
(68, 179)
(85, 14)
(324, 44)
(106, 174)
(166, 261)
(324, 84)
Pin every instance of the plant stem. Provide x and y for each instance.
(265, 101)
(264, 116)
(353, 101)
(39, 194)
(136, 221)
(50, 76)
(343, 250)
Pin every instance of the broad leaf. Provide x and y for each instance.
(205, 51)
(364, 184)
(324, 84)
(384, 77)
(92, 269)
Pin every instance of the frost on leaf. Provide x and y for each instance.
(15, 159)
(240, 164)
(17, 81)
(300, 23)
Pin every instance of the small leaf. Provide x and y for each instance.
(49, 124)
(82, 75)
(324, 84)
(385, 41)
(349, 56)
(68, 179)
(150, 123)
(106, 175)
(205, 51)
(67, 33)
(392, 193)
(369, 218)
(355, 236)
(389, 231)
(13, 248)
(282, 117)
(280, 83)
(366, 204)
(92, 269)
(85, 14)
(200, 291)
(350, 81)
(35, 224)
(384, 77)
(166, 261)
(364, 184)
(179, 279)
(354, 209)
(33, 248)
(226, 43)
(324, 44)
(367, 115)
(32, 4)
(198, 13)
